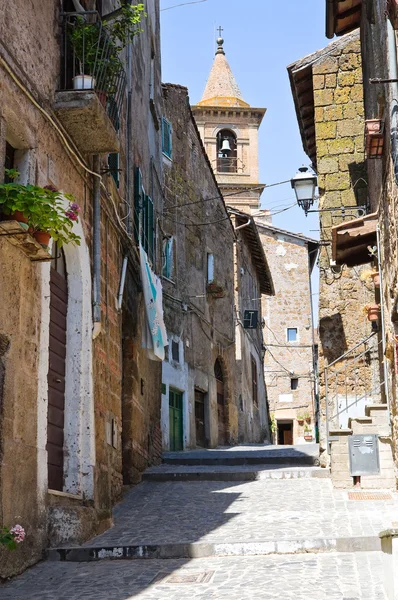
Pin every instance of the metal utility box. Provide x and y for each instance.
(364, 454)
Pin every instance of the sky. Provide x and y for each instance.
(262, 37)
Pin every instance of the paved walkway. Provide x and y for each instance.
(228, 517)
(187, 512)
(302, 577)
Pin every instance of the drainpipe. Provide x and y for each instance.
(383, 328)
(244, 225)
(96, 249)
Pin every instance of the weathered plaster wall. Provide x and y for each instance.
(94, 463)
(204, 325)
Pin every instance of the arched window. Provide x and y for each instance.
(226, 152)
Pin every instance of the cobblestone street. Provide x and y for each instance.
(323, 576)
(271, 539)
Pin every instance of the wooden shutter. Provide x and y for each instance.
(138, 204)
(166, 138)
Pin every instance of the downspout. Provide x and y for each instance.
(244, 225)
(314, 363)
(330, 19)
(96, 249)
(383, 327)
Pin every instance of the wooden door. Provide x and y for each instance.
(288, 437)
(200, 418)
(221, 411)
(176, 420)
(56, 370)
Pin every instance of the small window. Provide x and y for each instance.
(294, 383)
(113, 166)
(210, 268)
(175, 351)
(168, 258)
(292, 334)
(254, 382)
(9, 162)
(166, 138)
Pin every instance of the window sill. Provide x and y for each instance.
(65, 494)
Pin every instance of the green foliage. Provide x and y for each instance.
(43, 208)
(7, 538)
(272, 423)
(97, 49)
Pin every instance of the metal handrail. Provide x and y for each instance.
(340, 358)
(93, 55)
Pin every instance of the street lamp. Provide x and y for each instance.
(304, 184)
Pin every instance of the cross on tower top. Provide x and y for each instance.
(220, 30)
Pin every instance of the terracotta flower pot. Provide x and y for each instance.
(15, 216)
(308, 420)
(308, 437)
(300, 421)
(376, 279)
(42, 237)
(373, 312)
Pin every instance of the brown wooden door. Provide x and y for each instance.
(288, 437)
(221, 411)
(200, 418)
(56, 371)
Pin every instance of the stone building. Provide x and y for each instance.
(229, 129)
(376, 26)
(209, 265)
(327, 90)
(289, 363)
(73, 374)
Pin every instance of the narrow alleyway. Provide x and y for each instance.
(284, 533)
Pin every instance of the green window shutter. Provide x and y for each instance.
(150, 229)
(138, 204)
(166, 138)
(113, 166)
(167, 268)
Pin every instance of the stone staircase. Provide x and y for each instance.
(374, 422)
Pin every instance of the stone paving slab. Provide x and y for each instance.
(240, 455)
(177, 472)
(305, 577)
(217, 512)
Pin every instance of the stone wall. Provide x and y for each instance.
(339, 130)
(288, 258)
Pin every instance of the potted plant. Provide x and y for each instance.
(372, 311)
(97, 48)
(214, 288)
(300, 419)
(41, 210)
(307, 433)
(307, 417)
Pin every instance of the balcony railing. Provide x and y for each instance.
(91, 61)
(229, 165)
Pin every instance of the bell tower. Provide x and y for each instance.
(229, 130)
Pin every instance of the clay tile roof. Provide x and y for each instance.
(221, 87)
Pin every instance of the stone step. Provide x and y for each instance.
(200, 550)
(308, 454)
(231, 473)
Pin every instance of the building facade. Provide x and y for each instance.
(289, 363)
(376, 26)
(74, 374)
(212, 370)
(229, 129)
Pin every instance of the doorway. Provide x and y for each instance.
(176, 420)
(221, 409)
(56, 370)
(285, 433)
(200, 419)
